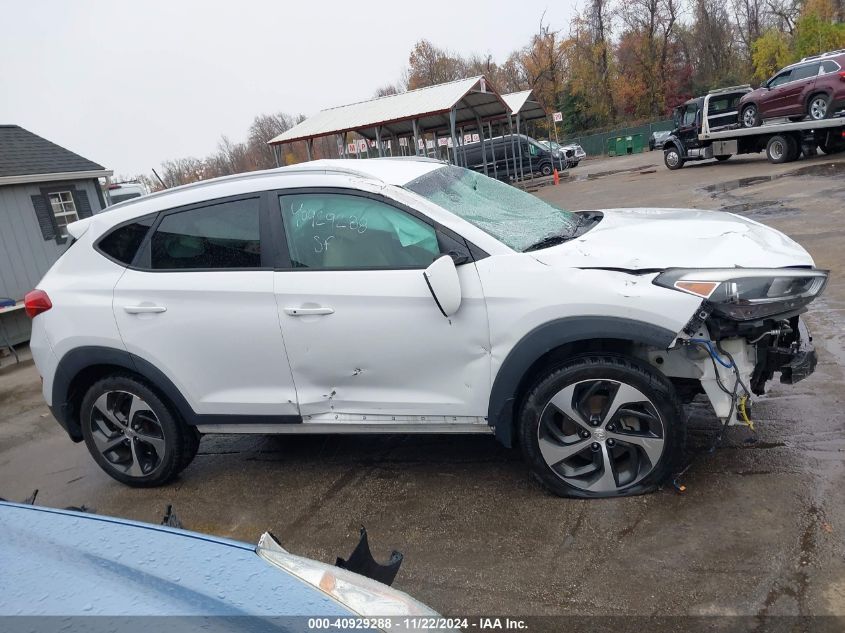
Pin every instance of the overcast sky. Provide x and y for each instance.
(131, 84)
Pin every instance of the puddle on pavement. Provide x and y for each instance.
(819, 170)
(644, 169)
(761, 209)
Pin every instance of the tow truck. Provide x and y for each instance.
(708, 127)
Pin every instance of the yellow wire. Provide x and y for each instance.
(744, 414)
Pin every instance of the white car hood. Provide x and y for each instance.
(648, 238)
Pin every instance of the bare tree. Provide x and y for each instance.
(264, 128)
(785, 14)
(386, 90)
(713, 45)
(750, 18)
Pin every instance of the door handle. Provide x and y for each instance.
(144, 309)
(308, 311)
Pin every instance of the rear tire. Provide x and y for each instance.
(672, 158)
(818, 107)
(779, 149)
(832, 148)
(546, 169)
(132, 434)
(602, 426)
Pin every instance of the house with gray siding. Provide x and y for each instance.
(43, 188)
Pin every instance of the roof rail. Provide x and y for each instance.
(841, 51)
(730, 89)
(308, 167)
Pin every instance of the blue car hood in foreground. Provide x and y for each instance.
(57, 562)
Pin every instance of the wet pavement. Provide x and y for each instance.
(759, 530)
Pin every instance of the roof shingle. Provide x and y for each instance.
(23, 153)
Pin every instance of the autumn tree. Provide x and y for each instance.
(713, 46)
(590, 64)
(543, 66)
(646, 45)
(429, 65)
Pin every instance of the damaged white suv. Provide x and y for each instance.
(412, 296)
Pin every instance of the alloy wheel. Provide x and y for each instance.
(127, 433)
(818, 109)
(749, 116)
(601, 435)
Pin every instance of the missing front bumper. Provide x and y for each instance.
(793, 356)
(803, 360)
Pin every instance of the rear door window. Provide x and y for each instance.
(123, 242)
(829, 67)
(218, 236)
(805, 72)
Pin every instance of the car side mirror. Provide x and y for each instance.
(444, 284)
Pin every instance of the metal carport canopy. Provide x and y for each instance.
(523, 104)
(471, 98)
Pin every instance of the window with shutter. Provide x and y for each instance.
(64, 210)
(44, 214)
(59, 205)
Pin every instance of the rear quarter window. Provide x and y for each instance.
(123, 242)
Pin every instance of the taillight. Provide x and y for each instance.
(35, 302)
(842, 76)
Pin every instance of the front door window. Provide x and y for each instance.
(341, 231)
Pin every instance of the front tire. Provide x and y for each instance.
(672, 158)
(546, 169)
(750, 116)
(132, 434)
(602, 426)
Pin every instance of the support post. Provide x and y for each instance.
(452, 116)
(378, 142)
(513, 147)
(519, 145)
(416, 137)
(493, 148)
(483, 145)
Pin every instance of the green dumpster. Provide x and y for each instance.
(622, 145)
(637, 143)
(611, 147)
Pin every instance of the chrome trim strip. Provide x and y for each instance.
(345, 428)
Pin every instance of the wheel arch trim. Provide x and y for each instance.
(87, 357)
(80, 359)
(675, 142)
(545, 338)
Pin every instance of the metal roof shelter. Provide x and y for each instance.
(441, 110)
(523, 105)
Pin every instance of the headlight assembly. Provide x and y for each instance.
(744, 294)
(362, 595)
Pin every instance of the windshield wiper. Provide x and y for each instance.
(557, 238)
(550, 240)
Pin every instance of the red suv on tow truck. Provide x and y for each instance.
(814, 88)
